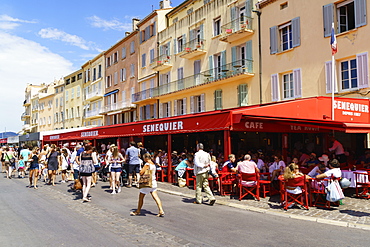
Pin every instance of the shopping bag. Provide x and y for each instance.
(334, 192)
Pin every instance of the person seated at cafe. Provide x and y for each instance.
(324, 159)
(181, 168)
(334, 170)
(317, 170)
(364, 160)
(290, 172)
(277, 167)
(303, 158)
(312, 161)
(246, 166)
(229, 164)
(261, 165)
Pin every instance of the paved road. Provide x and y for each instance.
(55, 216)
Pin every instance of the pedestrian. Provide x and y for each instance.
(21, 167)
(97, 167)
(54, 161)
(115, 161)
(86, 161)
(9, 161)
(23, 155)
(65, 164)
(34, 167)
(132, 156)
(149, 165)
(202, 161)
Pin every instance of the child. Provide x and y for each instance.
(21, 167)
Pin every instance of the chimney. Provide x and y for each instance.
(127, 33)
(135, 21)
(165, 4)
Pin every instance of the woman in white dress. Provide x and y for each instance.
(149, 165)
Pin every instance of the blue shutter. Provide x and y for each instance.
(248, 8)
(233, 18)
(223, 60)
(210, 65)
(273, 40)
(141, 37)
(184, 40)
(328, 13)
(360, 13)
(174, 46)
(249, 55)
(154, 29)
(296, 32)
(233, 55)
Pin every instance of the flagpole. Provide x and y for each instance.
(332, 86)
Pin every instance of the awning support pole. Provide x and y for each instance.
(169, 158)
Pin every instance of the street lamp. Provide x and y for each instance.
(259, 51)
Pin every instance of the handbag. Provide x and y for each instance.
(145, 180)
(334, 192)
(11, 160)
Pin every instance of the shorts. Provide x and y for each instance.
(133, 168)
(119, 169)
(76, 173)
(146, 191)
(33, 168)
(21, 168)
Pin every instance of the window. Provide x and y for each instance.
(123, 52)
(109, 81)
(67, 115)
(73, 79)
(61, 119)
(132, 70)
(115, 78)
(72, 93)
(61, 101)
(78, 111)
(197, 103)
(56, 89)
(66, 95)
(180, 107)
(94, 74)
(123, 74)
(166, 109)
(78, 91)
(217, 26)
(285, 36)
(218, 99)
(79, 77)
(348, 70)
(180, 44)
(152, 56)
(152, 29)
(132, 92)
(49, 120)
(108, 61)
(56, 102)
(99, 71)
(288, 86)
(115, 57)
(350, 14)
(72, 115)
(143, 60)
(132, 47)
(242, 95)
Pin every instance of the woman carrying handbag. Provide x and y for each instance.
(148, 185)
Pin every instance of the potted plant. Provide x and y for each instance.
(229, 31)
(187, 49)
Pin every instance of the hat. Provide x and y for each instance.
(324, 158)
(174, 152)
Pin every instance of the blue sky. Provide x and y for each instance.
(43, 40)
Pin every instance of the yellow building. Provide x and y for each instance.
(30, 104)
(206, 58)
(93, 91)
(46, 112)
(296, 51)
(149, 27)
(73, 100)
(58, 109)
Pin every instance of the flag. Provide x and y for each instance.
(333, 41)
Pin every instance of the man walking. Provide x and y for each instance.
(133, 158)
(202, 162)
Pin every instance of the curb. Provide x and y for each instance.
(276, 213)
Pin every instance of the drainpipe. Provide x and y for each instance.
(259, 52)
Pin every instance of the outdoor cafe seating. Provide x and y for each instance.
(249, 184)
(362, 183)
(288, 198)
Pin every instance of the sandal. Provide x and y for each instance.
(160, 215)
(134, 213)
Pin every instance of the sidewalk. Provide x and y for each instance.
(355, 212)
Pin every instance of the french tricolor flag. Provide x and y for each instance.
(333, 41)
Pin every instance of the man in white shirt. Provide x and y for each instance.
(338, 150)
(202, 161)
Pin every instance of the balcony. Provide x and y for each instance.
(119, 106)
(237, 29)
(162, 62)
(25, 115)
(95, 95)
(93, 113)
(238, 70)
(193, 49)
(145, 95)
(26, 127)
(27, 102)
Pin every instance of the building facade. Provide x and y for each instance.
(73, 100)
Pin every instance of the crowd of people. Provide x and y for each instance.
(123, 167)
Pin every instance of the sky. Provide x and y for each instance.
(44, 40)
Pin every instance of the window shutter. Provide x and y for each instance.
(191, 34)
(362, 70)
(161, 50)
(155, 110)
(297, 80)
(233, 56)
(184, 105)
(275, 87)
(141, 41)
(147, 112)
(147, 32)
(328, 78)
(201, 28)
(154, 28)
(223, 60)
(242, 95)
(151, 55)
(360, 13)
(210, 65)
(141, 114)
(296, 32)
(248, 50)
(183, 41)
(175, 107)
(273, 40)
(174, 46)
(168, 51)
(160, 110)
(328, 14)
(169, 109)
(202, 103)
(248, 8)
(191, 104)
(233, 13)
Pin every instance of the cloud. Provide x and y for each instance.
(8, 23)
(23, 61)
(55, 34)
(98, 22)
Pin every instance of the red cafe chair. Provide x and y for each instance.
(227, 182)
(301, 198)
(189, 173)
(265, 184)
(362, 182)
(249, 182)
(318, 193)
